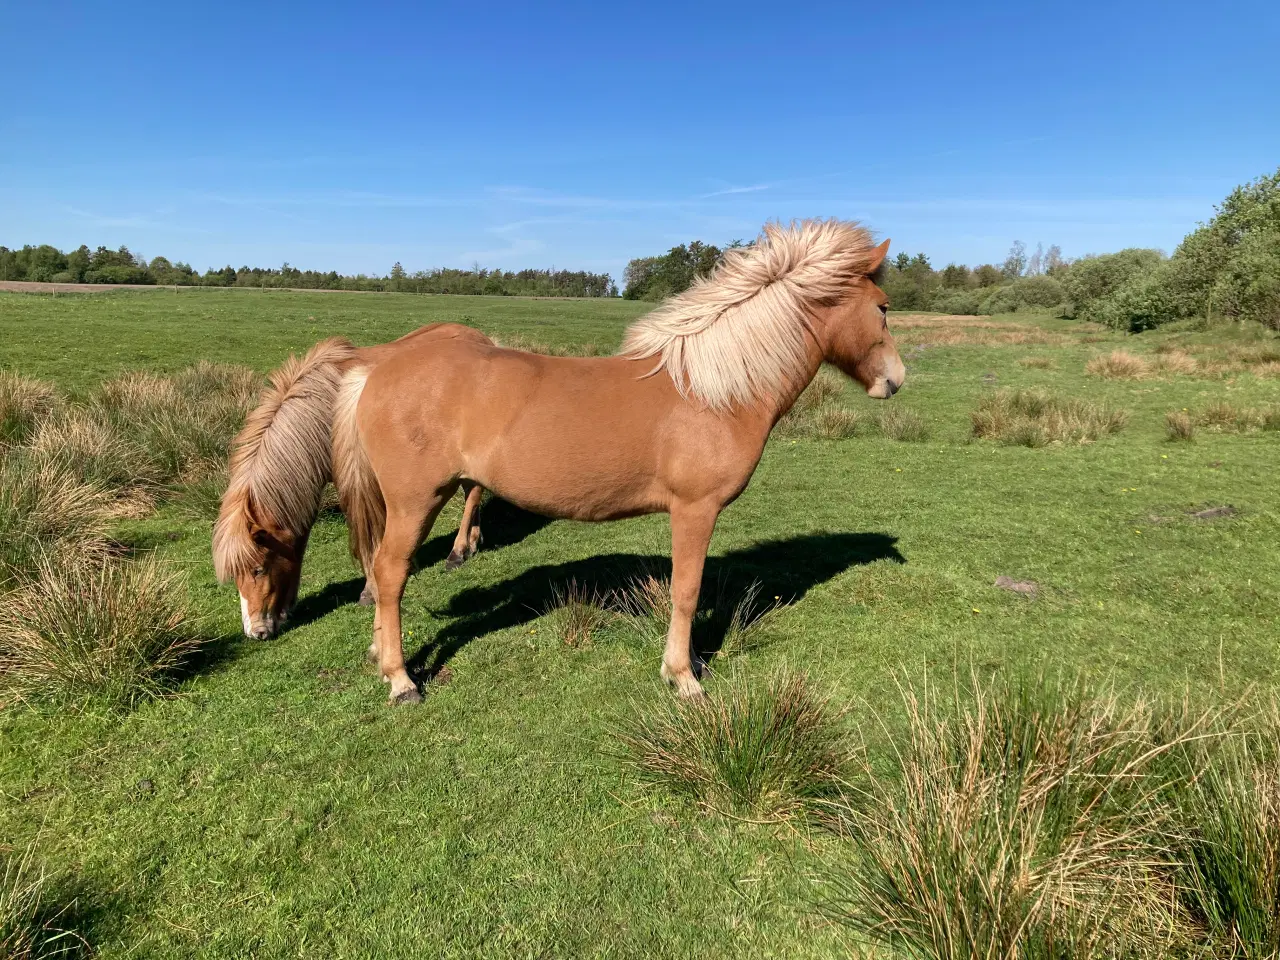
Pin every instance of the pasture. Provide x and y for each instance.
(276, 806)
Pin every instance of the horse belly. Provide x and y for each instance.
(569, 481)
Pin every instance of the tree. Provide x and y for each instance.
(1053, 261)
(1034, 265)
(1016, 262)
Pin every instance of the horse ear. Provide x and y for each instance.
(877, 257)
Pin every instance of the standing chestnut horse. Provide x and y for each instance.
(280, 465)
(675, 423)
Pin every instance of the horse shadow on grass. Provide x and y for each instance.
(502, 525)
(785, 569)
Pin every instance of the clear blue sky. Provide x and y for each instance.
(581, 135)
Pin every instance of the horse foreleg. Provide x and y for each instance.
(691, 528)
(467, 542)
(405, 530)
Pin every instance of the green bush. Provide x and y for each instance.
(1092, 279)
(1039, 291)
(960, 302)
(1228, 267)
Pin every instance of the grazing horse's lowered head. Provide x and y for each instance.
(280, 465)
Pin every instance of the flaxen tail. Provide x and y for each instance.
(358, 489)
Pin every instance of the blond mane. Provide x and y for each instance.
(739, 334)
(280, 460)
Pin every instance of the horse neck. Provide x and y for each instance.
(774, 407)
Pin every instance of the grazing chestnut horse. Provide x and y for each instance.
(280, 465)
(676, 422)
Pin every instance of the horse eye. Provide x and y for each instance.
(884, 310)
(258, 571)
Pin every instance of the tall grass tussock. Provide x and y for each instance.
(764, 752)
(46, 511)
(1020, 823)
(24, 403)
(112, 632)
(1034, 418)
(30, 918)
(1226, 810)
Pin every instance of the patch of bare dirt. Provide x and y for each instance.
(1028, 588)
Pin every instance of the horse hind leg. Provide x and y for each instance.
(467, 542)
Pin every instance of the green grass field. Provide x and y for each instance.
(277, 807)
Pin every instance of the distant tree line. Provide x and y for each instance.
(50, 265)
(1226, 269)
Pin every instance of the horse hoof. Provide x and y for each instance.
(686, 684)
(406, 697)
(455, 560)
(366, 598)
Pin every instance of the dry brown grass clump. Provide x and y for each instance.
(1037, 362)
(576, 614)
(1034, 418)
(764, 752)
(1175, 361)
(112, 632)
(528, 345)
(95, 451)
(1118, 365)
(24, 404)
(1179, 426)
(184, 424)
(46, 510)
(814, 413)
(1223, 417)
(1022, 823)
(900, 423)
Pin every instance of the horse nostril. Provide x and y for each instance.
(893, 387)
(262, 632)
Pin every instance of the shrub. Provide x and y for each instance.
(1038, 291)
(43, 509)
(765, 752)
(1034, 418)
(899, 423)
(1021, 822)
(24, 404)
(29, 917)
(1147, 300)
(115, 632)
(1179, 426)
(1090, 280)
(960, 302)
(1118, 365)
